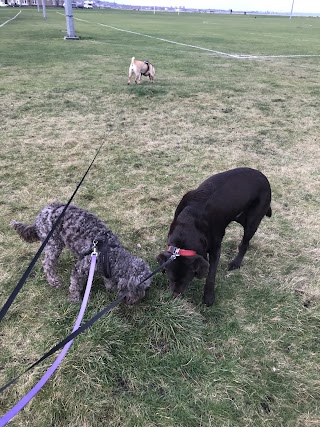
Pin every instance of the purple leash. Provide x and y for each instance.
(21, 404)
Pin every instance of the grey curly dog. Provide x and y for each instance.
(77, 229)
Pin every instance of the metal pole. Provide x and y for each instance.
(69, 18)
(44, 9)
(291, 9)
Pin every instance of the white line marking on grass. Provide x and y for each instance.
(235, 56)
(240, 56)
(158, 38)
(10, 19)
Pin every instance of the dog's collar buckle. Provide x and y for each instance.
(174, 250)
(180, 252)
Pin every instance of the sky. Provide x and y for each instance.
(301, 6)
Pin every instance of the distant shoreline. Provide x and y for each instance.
(114, 5)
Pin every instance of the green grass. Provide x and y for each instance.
(253, 358)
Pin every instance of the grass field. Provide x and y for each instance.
(253, 358)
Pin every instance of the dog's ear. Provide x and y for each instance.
(200, 267)
(163, 257)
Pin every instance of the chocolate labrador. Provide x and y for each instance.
(198, 227)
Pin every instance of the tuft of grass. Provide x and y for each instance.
(250, 360)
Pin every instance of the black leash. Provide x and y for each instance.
(67, 339)
(24, 277)
(84, 327)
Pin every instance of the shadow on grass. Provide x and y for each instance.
(148, 91)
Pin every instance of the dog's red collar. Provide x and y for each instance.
(180, 252)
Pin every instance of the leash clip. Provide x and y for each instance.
(94, 248)
(174, 251)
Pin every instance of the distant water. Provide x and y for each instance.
(236, 12)
(254, 12)
(299, 14)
